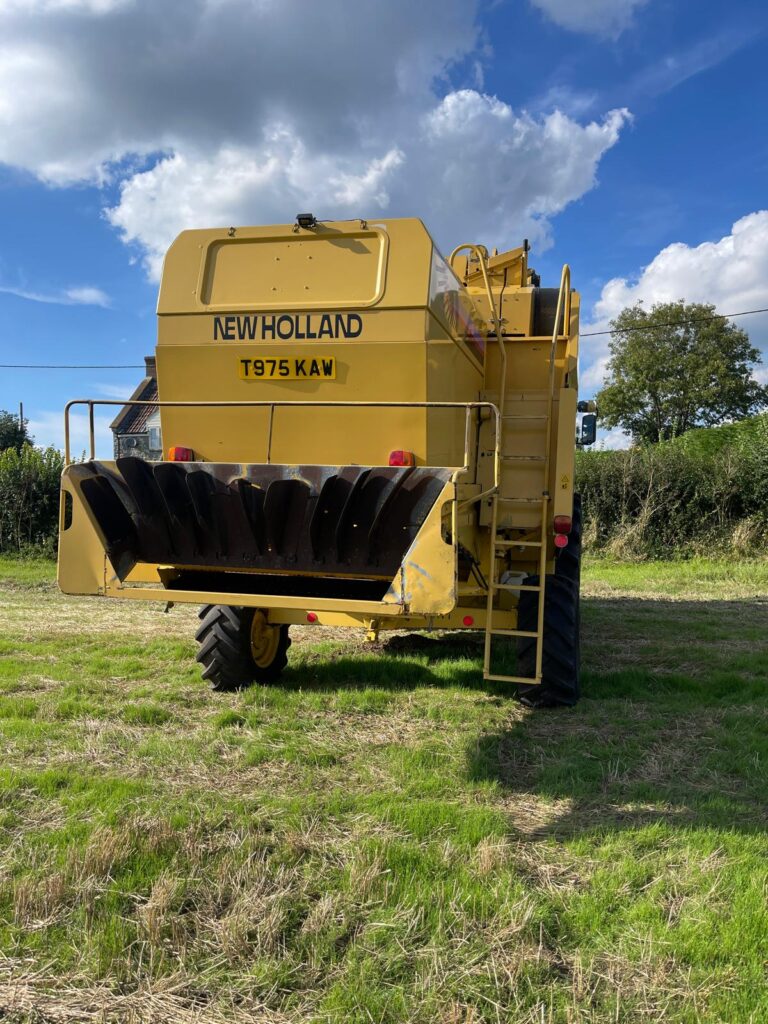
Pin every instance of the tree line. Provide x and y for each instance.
(29, 489)
(675, 367)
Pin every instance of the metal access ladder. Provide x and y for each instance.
(500, 544)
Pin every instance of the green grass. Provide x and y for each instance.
(381, 837)
(25, 571)
(693, 578)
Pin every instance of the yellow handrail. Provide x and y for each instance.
(497, 322)
(272, 405)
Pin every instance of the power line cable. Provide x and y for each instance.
(675, 323)
(587, 334)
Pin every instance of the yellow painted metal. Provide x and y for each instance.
(265, 640)
(267, 290)
(565, 457)
(254, 269)
(426, 583)
(383, 624)
(82, 562)
(431, 356)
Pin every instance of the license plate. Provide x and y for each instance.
(287, 368)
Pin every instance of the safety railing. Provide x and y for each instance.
(468, 407)
(493, 410)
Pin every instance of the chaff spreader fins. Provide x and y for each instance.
(348, 520)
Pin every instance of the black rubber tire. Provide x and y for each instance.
(568, 565)
(224, 636)
(560, 684)
(561, 660)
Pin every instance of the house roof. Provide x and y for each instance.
(132, 419)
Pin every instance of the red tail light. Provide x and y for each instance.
(561, 540)
(563, 524)
(179, 454)
(401, 458)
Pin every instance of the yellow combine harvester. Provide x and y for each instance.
(358, 433)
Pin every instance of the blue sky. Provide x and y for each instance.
(627, 137)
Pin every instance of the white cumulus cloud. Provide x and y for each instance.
(731, 273)
(530, 170)
(87, 83)
(247, 111)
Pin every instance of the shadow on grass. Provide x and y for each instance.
(679, 653)
(671, 728)
(401, 662)
(599, 773)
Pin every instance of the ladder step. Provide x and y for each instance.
(523, 501)
(511, 632)
(515, 587)
(530, 680)
(517, 543)
(522, 458)
(523, 416)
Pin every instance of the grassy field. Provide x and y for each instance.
(386, 839)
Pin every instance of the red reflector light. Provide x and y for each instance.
(179, 454)
(563, 524)
(468, 620)
(561, 540)
(311, 616)
(401, 458)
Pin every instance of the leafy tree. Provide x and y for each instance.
(663, 380)
(12, 433)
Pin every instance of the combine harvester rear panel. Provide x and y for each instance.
(358, 433)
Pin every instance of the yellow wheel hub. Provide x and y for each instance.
(265, 640)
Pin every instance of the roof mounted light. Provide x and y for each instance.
(306, 221)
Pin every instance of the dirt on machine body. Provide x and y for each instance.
(358, 433)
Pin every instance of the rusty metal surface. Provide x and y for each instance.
(340, 520)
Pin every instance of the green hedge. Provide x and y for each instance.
(29, 498)
(704, 491)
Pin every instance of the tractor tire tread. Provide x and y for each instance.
(560, 664)
(225, 654)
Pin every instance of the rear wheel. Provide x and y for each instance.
(238, 647)
(561, 656)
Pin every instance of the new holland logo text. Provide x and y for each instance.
(285, 327)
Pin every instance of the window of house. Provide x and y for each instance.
(155, 441)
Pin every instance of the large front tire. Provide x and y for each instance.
(239, 647)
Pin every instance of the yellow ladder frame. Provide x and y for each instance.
(497, 544)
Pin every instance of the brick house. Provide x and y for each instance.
(136, 428)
